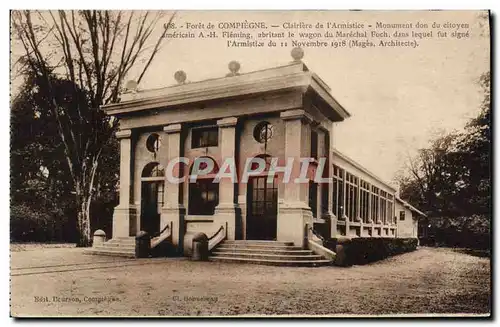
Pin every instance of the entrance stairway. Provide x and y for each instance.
(272, 253)
(118, 247)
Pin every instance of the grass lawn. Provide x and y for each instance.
(64, 282)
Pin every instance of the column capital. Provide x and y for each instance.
(172, 128)
(227, 122)
(123, 134)
(296, 114)
(323, 129)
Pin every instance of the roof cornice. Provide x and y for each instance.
(294, 76)
(363, 169)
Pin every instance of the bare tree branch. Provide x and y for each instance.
(86, 43)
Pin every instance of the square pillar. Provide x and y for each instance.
(330, 215)
(172, 210)
(358, 203)
(344, 201)
(227, 210)
(294, 213)
(242, 204)
(326, 143)
(379, 218)
(320, 188)
(125, 214)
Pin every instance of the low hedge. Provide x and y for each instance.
(364, 250)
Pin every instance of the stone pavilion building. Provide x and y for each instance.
(281, 112)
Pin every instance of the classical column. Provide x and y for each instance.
(173, 211)
(226, 211)
(294, 214)
(125, 214)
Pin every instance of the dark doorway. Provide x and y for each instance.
(151, 203)
(262, 202)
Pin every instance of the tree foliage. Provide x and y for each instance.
(78, 61)
(451, 179)
(41, 198)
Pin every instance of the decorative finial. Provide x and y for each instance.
(297, 54)
(180, 76)
(131, 86)
(234, 67)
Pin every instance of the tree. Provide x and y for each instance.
(451, 179)
(40, 183)
(94, 51)
(475, 147)
(427, 179)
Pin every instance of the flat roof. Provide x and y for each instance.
(369, 173)
(363, 169)
(293, 76)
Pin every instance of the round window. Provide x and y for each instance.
(153, 142)
(263, 132)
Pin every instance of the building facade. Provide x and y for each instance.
(283, 112)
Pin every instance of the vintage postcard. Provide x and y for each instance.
(250, 163)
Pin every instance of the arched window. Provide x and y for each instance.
(153, 169)
(204, 193)
(152, 189)
(267, 158)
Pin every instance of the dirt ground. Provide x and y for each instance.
(61, 281)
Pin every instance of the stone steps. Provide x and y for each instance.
(266, 253)
(258, 242)
(260, 246)
(284, 251)
(115, 248)
(112, 253)
(272, 256)
(123, 247)
(127, 241)
(119, 247)
(293, 263)
(116, 245)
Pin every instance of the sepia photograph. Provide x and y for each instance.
(259, 163)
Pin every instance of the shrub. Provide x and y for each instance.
(32, 225)
(363, 250)
(464, 232)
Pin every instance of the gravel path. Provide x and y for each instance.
(428, 280)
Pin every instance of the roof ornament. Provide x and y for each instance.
(234, 67)
(131, 86)
(297, 54)
(180, 76)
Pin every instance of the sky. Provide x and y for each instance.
(399, 98)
